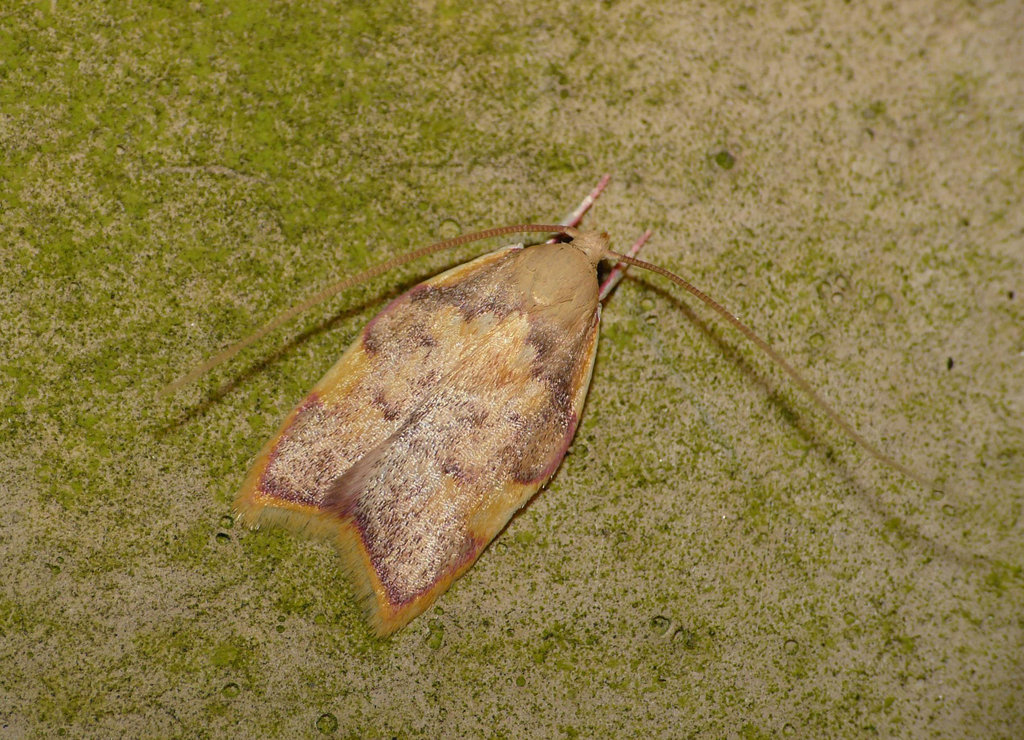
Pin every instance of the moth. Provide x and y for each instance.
(449, 411)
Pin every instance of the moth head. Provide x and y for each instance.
(594, 244)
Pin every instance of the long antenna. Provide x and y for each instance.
(779, 360)
(331, 290)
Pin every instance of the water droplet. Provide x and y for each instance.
(223, 538)
(326, 723)
(841, 282)
(501, 548)
(435, 635)
(937, 493)
(230, 691)
(647, 304)
(882, 303)
(949, 510)
(837, 297)
(791, 646)
(687, 638)
(849, 617)
(520, 681)
(660, 625)
(449, 229)
(725, 160)
(788, 730)
(227, 521)
(816, 339)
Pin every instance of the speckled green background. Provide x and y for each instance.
(713, 559)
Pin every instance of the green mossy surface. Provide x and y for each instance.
(713, 558)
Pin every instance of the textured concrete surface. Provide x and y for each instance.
(714, 558)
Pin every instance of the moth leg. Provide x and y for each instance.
(573, 218)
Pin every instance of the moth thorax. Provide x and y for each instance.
(558, 280)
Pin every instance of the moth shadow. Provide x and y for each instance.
(330, 323)
(927, 544)
(715, 333)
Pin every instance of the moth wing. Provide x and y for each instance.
(445, 416)
(425, 503)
